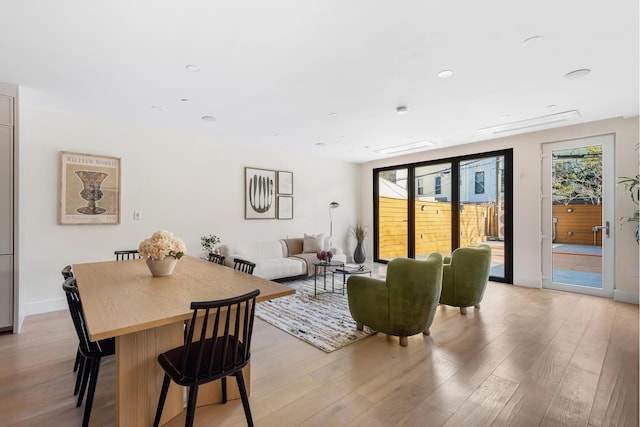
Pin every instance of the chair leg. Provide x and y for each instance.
(359, 326)
(95, 370)
(245, 398)
(426, 331)
(79, 375)
(86, 373)
(404, 341)
(463, 310)
(163, 397)
(191, 406)
(77, 362)
(224, 389)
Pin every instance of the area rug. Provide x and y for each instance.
(323, 321)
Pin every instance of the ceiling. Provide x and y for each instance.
(325, 76)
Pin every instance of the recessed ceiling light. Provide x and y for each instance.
(406, 147)
(551, 106)
(156, 108)
(208, 118)
(192, 68)
(185, 100)
(445, 73)
(531, 41)
(320, 144)
(333, 114)
(576, 74)
(402, 109)
(505, 116)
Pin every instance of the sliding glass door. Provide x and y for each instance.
(432, 206)
(482, 207)
(442, 205)
(392, 208)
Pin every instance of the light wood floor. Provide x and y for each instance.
(527, 358)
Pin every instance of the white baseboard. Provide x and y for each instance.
(625, 297)
(45, 306)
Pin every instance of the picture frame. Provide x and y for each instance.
(259, 193)
(285, 207)
(285, 182)
(90, 189)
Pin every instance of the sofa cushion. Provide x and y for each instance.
(253, 251)
(294, 246)
(277, 268)
(313, 243)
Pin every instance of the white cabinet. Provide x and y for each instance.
(6, 110)
(6, 211)
(6, 291)
(6, 191)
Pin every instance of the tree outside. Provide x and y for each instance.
(577, 176)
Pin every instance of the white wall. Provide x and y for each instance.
(192, 186)
(526, 187)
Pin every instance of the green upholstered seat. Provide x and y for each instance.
(464, 277)
(402, 305)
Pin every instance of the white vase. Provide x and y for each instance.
(162, 267)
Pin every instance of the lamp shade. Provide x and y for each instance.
(333, 205)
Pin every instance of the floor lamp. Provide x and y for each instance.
(332, 205)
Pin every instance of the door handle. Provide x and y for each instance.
(604, 227)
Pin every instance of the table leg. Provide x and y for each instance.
(315, 279)
(139, 376)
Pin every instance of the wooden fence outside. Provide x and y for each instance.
(576, 227)
(478, 222)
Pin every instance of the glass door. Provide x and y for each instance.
(392, 212)
(482, 208)
(577, 217)
(442, 205)
(432, 207)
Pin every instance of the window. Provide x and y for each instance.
(420, 187)
(479, 183)
(438, 185)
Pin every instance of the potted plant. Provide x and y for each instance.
(209, 242)
(359, 232)
(632, 185)
(162, 251)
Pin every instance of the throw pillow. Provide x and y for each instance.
(312, 242)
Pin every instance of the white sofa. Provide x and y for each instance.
(280, 259)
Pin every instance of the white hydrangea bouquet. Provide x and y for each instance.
(162, 244)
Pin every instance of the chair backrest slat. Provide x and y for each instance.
(127, 254)
(243, 265)
(77, 315)
(216, 258)
(221, 347)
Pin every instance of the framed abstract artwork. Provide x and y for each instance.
(259, 193)
(89, 189)
(285, 207)
(285, 182)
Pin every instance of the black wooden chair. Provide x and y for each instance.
(216, 258)
(91, 351)
(243, 265)
(225, 353)
(128, 254)
(67, 273)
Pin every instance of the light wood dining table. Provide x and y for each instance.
(146, 316)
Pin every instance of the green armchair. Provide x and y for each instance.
(402, 305)
(464, 277)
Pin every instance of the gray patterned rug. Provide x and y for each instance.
(323, 321)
